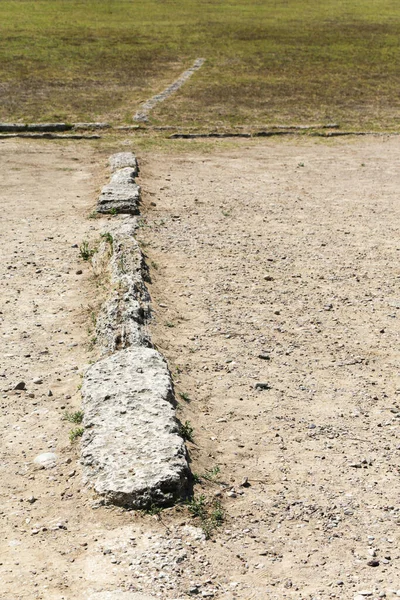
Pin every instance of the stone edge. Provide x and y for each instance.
(118, 329)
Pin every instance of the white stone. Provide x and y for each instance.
(135, 458)
(46, 460)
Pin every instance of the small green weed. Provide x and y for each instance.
(74, 434)
(113, 211)
(85, 251)
(154, 265)
(153, 509)
(73, 417)
(211, 515)
(169, 324)
(107, 237)
(197, 506)
(185, 396)
(211, 474)
(187, 431)
(93, 215)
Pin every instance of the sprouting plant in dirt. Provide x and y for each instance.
(152, 510)
(76, 433)
(85, 251)
(154, 265)
(73, 417)
(113, 211)
(108, 238)
(93, 215)
(211, 474)
(92, 342)
(196, 478)
(210, 514)
(121, 265)
(169, 324)
(185, 396)
(187, 431)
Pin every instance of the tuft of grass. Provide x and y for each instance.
(73, 417)
(107, 237)
(153, 510)
(210, 514)
(93, 215)
(76, 433)
(185, 396)
(186, 431)
(169, 324)
(85, 251)
(211, 474)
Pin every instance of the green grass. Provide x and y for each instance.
(267, 61)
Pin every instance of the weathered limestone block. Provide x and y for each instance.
(119, 323)
(122, 160)
(132, 452)
(119, 198)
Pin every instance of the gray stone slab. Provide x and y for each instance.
(123, 159)
(17, 127)
(119, 323)
(119, 198)
(124, 176)
(132, 452)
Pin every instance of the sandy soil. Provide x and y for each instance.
(279, 263)
(274, 263)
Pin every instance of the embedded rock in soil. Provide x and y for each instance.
(119, 323)
(119, 198)
(132, 452)
(122, 160)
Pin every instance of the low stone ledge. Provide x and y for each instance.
(132, 452)
(122, 160)
(119, 323)
(119, 198)
(18, 127)
(122, 194)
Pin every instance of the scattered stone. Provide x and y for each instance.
(262, 386)
(245, 482)
(264, 356)
(46, 460)
(21, 385)
(49, 393)
(38, 380)
(373, 563)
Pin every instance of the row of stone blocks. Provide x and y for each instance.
(132, 452)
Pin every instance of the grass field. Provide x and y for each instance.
(267, 61)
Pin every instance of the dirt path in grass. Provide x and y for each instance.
(274, 263)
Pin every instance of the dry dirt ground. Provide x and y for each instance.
(275, 263)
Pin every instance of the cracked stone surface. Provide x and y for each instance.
(122, 160)
(132, 452)
(119, 323)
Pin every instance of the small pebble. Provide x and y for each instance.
(20, 386)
